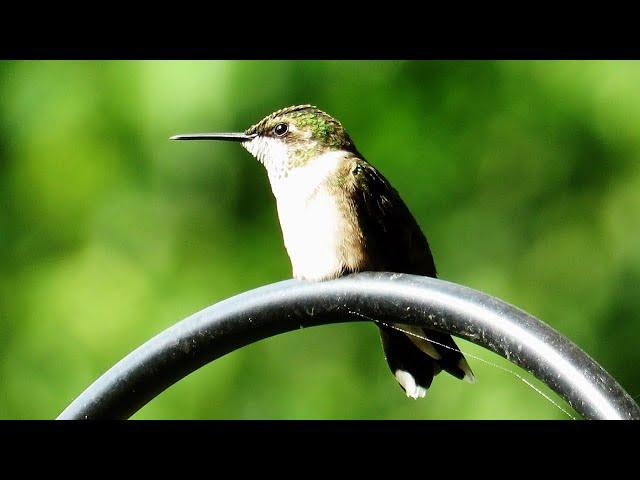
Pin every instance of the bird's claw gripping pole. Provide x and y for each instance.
(388, 297)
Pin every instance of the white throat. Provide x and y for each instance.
(270, 152)
(311, 222)
(301, 182)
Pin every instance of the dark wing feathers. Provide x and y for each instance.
(396, 243)
(392, 234)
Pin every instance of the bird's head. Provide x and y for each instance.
(288, 138)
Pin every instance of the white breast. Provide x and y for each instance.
(312, 225)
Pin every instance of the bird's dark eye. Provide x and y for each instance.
(281, 129)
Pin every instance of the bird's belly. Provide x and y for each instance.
(313, 232)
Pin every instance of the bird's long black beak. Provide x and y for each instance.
(229, 137)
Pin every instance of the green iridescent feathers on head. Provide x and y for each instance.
(323, 128)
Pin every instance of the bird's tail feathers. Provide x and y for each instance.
(416, 356)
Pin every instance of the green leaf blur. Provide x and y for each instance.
(525, 176)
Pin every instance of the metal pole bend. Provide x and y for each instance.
(388, 297)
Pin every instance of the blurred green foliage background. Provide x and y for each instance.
(524, 176)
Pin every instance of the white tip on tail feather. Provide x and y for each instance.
(407, 381)
(468, 374)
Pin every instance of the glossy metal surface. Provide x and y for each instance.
(388, 297)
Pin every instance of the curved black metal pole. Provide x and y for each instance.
(388, 297)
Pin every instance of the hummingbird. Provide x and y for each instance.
(339, 215)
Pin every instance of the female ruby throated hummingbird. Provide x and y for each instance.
(339, 215)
